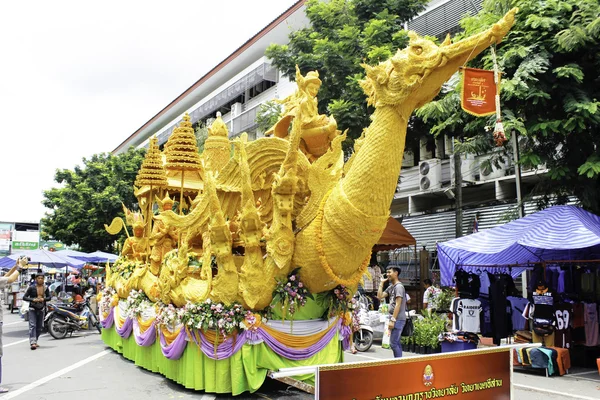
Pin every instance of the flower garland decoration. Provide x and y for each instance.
(108, 300)
(340, 301)
(136, 303)
(169, 315)
(291, 294)
(209, 315)
(124, 268)
(350, 282)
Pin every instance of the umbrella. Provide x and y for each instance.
(100, 257)
(80, 255)
(42, 257)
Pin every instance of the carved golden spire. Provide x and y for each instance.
(182, 149)
(151, 172)
(216, 148)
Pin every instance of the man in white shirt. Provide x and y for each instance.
(429, 294)
(6, 280)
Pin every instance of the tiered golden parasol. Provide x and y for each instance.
(182, 155)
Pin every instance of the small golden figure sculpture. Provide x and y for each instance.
(135, 247)
(317, 130)
(163, 236)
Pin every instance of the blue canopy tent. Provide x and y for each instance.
(556, 233)
(80, 255)
(99, 257)
(43, 257)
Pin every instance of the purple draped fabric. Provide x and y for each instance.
(345, 334)
(126, 329)
(228, 348)
(147, 338)
(225, 349)
(299, 354)
(175, 349)
(108, 321)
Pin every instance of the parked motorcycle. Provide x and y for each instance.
(371, 327)
(64, 318)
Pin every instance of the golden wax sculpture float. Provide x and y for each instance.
(283, 201)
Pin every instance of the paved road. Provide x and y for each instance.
(82, 366)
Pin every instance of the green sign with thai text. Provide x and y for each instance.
(19, 245)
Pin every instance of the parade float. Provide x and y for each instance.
(241, 261)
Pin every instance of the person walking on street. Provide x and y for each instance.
(396, 294)
(92, 283)
(37, 295)
(10, 277)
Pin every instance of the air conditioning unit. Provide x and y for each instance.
(468, 168)
(492, 171)
(236, 109)
(430, 174)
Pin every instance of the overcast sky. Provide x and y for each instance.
(79, 77)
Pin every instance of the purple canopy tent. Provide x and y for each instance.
(556, 233)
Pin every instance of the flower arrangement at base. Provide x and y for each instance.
(108, 300)
(339, 301)
(169, 315)
(123, 267)
(136, 303)
(209, 315)
(291, 294)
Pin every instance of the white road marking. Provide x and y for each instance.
(48, 378)
(568, 395)
(18, 322)
(21, 341)
(208, 397)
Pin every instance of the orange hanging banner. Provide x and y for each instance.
(478, 92)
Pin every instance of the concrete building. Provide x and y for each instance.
(425, 197)
(18, 236)
(235, 87)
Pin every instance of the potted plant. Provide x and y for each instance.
(442, 301)
(404, 342)
(420, 336)
(429, 329)
(411, 344)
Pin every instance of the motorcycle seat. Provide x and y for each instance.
(68, 308)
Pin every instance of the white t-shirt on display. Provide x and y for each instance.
(469, 312)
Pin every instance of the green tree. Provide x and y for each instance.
(268, 114)
(201, 133)
(550, 94)
(342, 35)
(89, 197)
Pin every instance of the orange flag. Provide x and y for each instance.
(478, 92)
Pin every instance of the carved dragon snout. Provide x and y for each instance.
(422, 67)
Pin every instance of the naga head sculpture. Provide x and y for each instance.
(415, 75)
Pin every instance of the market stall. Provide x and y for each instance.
(559, 249)
(556, 233)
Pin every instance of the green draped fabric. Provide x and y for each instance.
(313, 309)
(245, 371)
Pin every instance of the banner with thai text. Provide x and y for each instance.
(474, 374)
(478, 92)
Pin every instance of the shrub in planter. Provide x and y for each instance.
(404, 342)
(427, 331)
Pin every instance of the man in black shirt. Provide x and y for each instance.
(37, 295)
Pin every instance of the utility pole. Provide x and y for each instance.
(520, 208)
(515, 144)
(458, 193)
